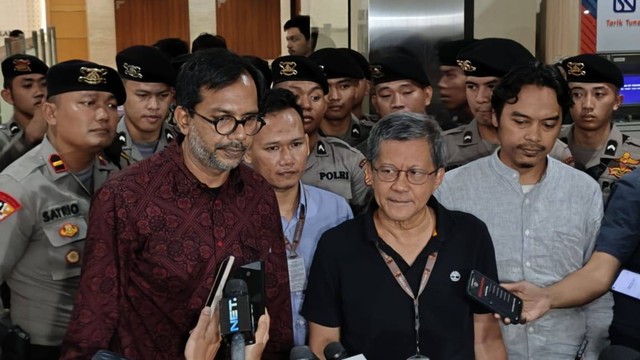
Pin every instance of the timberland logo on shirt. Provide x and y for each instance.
(334, 175)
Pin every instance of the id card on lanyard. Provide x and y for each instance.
(295, 262)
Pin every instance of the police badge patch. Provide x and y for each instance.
(8, 205)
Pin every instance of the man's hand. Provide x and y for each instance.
(205, 339)
(254, 351)
(536, 300)
(37, 127)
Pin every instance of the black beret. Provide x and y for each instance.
(493, 57)
(80, 75)
(592, 68)
(145, 64)
(337, 64)
(20, 64)
(398, 66)
(448, 51)
(298, 68)
(361, 60)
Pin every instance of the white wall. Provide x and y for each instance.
(513, 19)
(101, 31)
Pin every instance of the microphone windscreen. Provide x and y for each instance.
(301, 353)
(236, 287)
(335, 351)
(619, 352)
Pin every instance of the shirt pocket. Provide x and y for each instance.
(66, 243)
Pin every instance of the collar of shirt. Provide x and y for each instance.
(513, 176)
(612, 149)
(443, 222)
(302, 200)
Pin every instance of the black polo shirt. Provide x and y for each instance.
(351, 287)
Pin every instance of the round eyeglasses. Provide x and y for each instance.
(414, 176)
(227, 124)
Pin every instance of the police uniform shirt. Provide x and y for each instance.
(12, 143)
(357, 132)
(464, 144)
(130, 152)
(619, 155)
(335, 166)
(43, 223)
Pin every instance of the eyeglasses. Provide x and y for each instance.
(227, 124)
(414, 176)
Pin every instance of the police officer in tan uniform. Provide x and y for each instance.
(452, 86)
(364, 87)
(24, 88)
(598, 146)
(484, 63)
(148, 77)
(45, 196)
(333, 165)
(343, 76)
(400, 83)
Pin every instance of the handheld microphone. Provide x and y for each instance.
(236, 318)
(335, 351)
(302, 353)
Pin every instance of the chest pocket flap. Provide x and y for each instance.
(66, 242)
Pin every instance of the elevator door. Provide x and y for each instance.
(251, 27)
(143, 22)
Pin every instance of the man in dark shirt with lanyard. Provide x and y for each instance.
(366, 271)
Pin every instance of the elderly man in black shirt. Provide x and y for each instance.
(391, 283)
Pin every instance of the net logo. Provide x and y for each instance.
(233, 315)
(624, 6)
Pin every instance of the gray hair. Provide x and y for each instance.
(403, 126)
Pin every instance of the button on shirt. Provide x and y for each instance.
(324, 210)
(540, 236)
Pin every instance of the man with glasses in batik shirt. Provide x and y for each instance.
(160, 229)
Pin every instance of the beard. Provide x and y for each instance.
(209, 157)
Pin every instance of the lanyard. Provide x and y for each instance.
(297, 234)
(404, 284)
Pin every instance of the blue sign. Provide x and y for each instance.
(624, 6)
